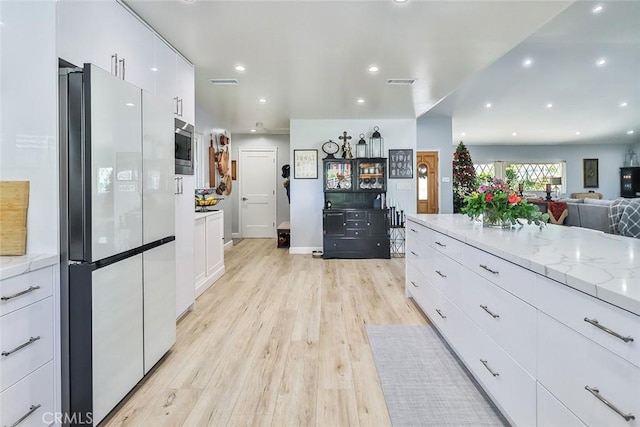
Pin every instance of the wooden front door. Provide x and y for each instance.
(427, 181)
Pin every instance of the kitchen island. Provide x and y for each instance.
(547, 320)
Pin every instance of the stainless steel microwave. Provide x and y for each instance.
(184, 148)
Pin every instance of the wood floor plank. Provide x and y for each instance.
(279, 340)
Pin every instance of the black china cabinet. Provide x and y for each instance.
(630, 181)
(355, 225)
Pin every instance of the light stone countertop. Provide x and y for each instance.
(602, 265)
(15, 265)
(206, 214)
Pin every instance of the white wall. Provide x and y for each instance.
(435, 134)
(281, 142)
(610, 159)
(307, 197)
(205, 124)
(28, 113)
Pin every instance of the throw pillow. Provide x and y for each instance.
(630, 221)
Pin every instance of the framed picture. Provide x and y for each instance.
(401, 163)
(305, 164)
(590, 173)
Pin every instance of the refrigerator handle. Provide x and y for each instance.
(114, 64)
(177, 187)
(122, 62)
(181, 186)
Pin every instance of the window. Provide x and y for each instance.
(484, 169)
(535, 176)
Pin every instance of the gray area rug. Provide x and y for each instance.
(424, 383)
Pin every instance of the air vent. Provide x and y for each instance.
(401, 82)
(222, 82)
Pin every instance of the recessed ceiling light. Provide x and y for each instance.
(597, 9)
(400, 1)
(623, 104)
(188, 1)
(514, 134)
(373, 69)
(527, 62)
(240, 67)
(463, 134)
(549, 105)
(488, 105)
(630, 132)
(578, 133)
(360, 101)
(154, 69)
(129, 104)
(601, 62)
(262, 101)
(252, 130)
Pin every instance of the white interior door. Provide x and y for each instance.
(258, 193)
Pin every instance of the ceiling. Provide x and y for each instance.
(310, 59)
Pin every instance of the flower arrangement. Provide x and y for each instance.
(500, 206)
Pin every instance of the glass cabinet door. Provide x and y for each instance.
(338, 175)
(372, 175)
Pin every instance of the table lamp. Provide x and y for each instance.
(555, 182)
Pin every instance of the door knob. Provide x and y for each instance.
(244, 199)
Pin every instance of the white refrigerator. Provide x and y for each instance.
(117, 237)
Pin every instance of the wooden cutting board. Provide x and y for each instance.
(212, 165)
(14, 202)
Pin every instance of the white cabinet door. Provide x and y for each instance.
(30, 400)
(97, 31)
(86, 31)
(164, 72)
(185, 224)
(215, 243)
(158, 168)
(186, 90)
(200, 263)
(133, 42)
(159, 302)
(552, 413)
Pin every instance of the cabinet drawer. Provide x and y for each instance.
(568, 363)
(414, 285)
(27, 335)
(356, 248)
(418, 253)
(572, 307)
(446, 245)
(30, 400)
(20, 291)
(418, 232)
(360, 224)
(356, 215)
(511, 387)
(552, 413)
(513, 278)
(508, 320)
(445, 274)
(356, 232)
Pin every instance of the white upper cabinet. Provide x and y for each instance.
(164, 71)
(105, 34)
(186, 90)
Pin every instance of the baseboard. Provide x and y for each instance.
(236, 236)
(228, 245)
(210, 280)
(301, 250)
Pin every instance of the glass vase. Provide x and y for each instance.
(491, 219)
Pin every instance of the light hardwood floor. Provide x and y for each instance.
(279, 340)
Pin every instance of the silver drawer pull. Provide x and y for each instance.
(440, 313)
(488, 269)
(440, 244)
(596, 393)
(484, 307)
(486, 365)
(32, 409)
(415, 254)
(415, 231)
(26, 291)
(440, 274)
(21, 346)
(595, 323)
(414, 284)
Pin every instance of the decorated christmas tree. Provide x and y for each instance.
(464, 176)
